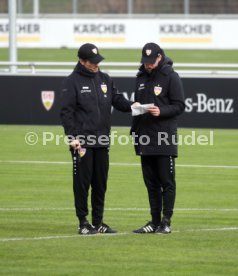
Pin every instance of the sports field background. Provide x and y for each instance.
(38, 227)
(126, 55)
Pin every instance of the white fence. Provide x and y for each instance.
(116, 68)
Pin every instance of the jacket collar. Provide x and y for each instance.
(82, 70)
(164, 67)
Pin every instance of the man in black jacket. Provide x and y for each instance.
(87, 97)
(155, 134)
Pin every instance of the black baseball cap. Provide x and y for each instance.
(90, 52)
(150, 52)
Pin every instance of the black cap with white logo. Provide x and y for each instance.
(150, 52)
(90, 52)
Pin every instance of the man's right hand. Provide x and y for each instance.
(154, 110)
(75, 144)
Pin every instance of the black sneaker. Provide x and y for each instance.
(104, 228)
(148, 228)
(164, 227)
(87, 229)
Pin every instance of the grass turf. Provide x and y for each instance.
(37, 203)
(125, 55)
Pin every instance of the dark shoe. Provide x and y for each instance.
(148, 228)
(104, 228)
(164, 227)
(87, 229)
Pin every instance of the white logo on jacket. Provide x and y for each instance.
(85, 89)
(141, 86)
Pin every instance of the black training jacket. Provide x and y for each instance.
(162, 87)
(86, 106)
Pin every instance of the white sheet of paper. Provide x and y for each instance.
(140, 109)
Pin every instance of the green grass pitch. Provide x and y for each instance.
(125, 55)
(38, 229)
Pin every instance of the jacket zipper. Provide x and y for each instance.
(97, 100)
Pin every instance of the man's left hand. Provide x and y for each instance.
(154, 110)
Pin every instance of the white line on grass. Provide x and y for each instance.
(207, 229)
(181, 165)
(114, 164)
(35, 162)
(22, 209)
(56, 237)
(110, 235)
(207, 166)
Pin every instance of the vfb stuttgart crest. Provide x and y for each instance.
(104, 88)
(47, 98)
(157, 90)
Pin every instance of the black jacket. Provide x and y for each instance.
(162, 87)
(86, 105)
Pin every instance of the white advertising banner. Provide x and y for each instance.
(123, 33)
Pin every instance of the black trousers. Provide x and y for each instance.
(159, 177)
(90, 170)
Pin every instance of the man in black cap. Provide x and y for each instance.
(87, 97)
(157, 84)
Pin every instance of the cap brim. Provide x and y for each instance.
(150, 60)
(96, 59)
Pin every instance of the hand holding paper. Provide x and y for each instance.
(154, 110)
(139, 109)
